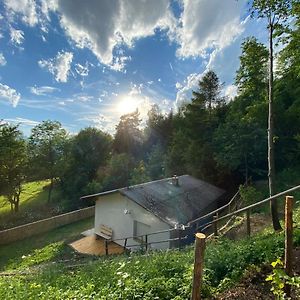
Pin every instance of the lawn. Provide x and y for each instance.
(43, 247)
(33, 205)
(33, 195)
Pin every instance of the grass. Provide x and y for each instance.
(42, 248)
(33, 205)
(159, 275)
(33, 195)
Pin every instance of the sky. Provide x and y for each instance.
(86, 63)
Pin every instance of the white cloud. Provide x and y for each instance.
(43, 90)
(103, 25)
(184, 92)
(58, 66)
(230, 91)
(208, 24)
(9, 94)
(16, 36)
(2, 60)
(26, 8)
(26, 122)
(82, 70)
(178, 85)
(119, 63)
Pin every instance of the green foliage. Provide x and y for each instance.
(128, 137)
(158, 275)
(42, 248)
(279, 279)
(13, 162)
(249, 194)
(46, 145)
(139, 174)
(85, 154)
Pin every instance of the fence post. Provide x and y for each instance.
(125, 243)
(179, 238)
(198, 265)
(215, 219)
(146, 242)
(106, 247)
(288, 258)
(248, 222)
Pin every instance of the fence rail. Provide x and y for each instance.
(248, 208)
(214, 222)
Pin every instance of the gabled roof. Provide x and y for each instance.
(174, 204)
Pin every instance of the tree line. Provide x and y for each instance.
(219, 140)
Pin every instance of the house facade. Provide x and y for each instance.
(133, 212)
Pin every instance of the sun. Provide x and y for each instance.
(127, 105)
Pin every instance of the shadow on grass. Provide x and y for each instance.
(43, 247)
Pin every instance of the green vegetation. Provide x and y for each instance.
(33, 205)
(158, 275)
(42, 248)
(33, 195)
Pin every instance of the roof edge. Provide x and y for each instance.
(128, 187)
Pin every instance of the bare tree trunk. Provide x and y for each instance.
(271, 162)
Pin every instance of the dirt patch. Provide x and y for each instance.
(258, 222)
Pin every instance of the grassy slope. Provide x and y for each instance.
(32, 196)
(33, 205)
(42, 248)
(161, 275)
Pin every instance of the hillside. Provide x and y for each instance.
(158, 275)
(33, 205)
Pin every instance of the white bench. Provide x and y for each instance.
(105, 232)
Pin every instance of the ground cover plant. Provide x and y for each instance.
(159, 275)
(42, 248)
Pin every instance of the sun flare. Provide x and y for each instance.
(127, 105)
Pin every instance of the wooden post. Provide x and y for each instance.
(106, 247)
(179, 238)
(146, 242)
(248, 222)
(288, 258)
(198, 265)
(125, 243)
(215, 219)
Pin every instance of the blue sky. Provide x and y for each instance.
(85, 63)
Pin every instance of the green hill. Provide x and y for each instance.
(158, 275)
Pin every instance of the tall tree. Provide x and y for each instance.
(12, 164)
(276, 13)
(252, 75)
(209, 90)
(46, 145)
(88, 151)
(128, 137)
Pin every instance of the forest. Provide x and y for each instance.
(220, 140)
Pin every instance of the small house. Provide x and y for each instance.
(133, 215)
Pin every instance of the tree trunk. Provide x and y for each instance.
(16, 208)
(50, 190)
(271, 163)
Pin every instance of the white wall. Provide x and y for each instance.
(109, 211)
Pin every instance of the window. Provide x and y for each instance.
(140, 229)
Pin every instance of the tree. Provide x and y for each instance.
(46, 145)
(128, 138)
(251, 77)
(12, 164)
(276, 12)
(209, 90)
(87, 152)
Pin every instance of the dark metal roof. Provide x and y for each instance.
(171, 203)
